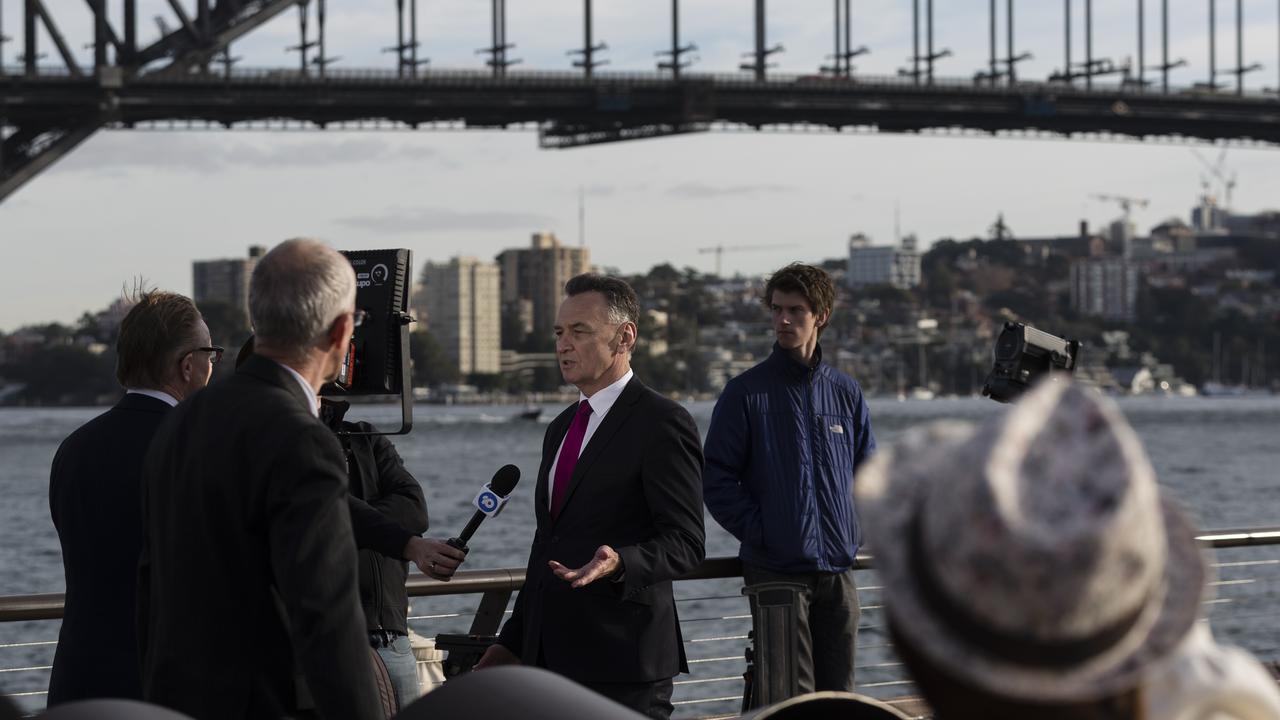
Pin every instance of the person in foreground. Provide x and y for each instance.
(388, 511)
(1033, 569)
(247, 585)
(163, 354)
(619, 516)
(785, 440)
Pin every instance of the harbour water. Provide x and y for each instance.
(1218, 456)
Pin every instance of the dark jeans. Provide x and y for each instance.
(828, 620)
(651, 699)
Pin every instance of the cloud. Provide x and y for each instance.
(604, 189)
(319, 152)
(600, 190)
(116, 152)
(699, 190)
(402, 220)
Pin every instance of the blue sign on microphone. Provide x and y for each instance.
(489, 502)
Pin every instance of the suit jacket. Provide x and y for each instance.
(95, 498)
(637, 487)
(248, 577)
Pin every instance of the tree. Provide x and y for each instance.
(486, 382)
(664, 274)
(88, 325)
(431, 365)
(64, 375)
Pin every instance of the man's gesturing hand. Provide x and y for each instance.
(603, 564)
(434, 557)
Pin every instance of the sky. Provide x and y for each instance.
(129, 205)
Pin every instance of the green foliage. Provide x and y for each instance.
(64, 375)
(486, 382)
(547, 379)
(431, 366)
(1174, 324)
(680, 370)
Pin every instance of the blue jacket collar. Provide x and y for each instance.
(792, 368)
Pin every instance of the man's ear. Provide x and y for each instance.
(822, 319)
(185, 372)
(340, 332)
(627, 338)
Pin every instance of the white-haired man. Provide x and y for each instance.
(247, 597)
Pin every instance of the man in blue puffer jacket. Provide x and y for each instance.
(785, 441)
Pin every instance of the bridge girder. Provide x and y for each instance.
(45, 115)
(31, 142)
(571, 110)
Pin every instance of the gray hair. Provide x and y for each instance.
(297, 291)
(619, 298)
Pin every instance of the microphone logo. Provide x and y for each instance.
(489, 502)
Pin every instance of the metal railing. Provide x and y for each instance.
(715, 619)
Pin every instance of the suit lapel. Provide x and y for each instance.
(550, 444)
(616, 418)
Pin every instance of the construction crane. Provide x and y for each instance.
(1126, 203)
(1218, 170)
(719, 250)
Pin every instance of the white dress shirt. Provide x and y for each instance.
(160, 395)
(312, 398)
(600, 404)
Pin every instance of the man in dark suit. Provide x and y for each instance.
(247, 587)
(163, 354)
(619, 516)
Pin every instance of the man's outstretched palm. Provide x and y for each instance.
(603, 564)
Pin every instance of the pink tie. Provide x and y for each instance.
(569, 457)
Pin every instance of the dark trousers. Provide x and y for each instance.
(828, 621)
(651, 699)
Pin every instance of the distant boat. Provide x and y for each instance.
(529, 413)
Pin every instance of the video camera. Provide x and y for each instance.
(1022, 355)
(377, 360)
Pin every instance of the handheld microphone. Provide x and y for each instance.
(489, 502)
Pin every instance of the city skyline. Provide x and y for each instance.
(128, 205)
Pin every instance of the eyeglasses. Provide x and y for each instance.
(358, 317)
(215, 353)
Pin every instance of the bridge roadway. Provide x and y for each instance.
(571, 110)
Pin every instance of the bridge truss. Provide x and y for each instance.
(187, 77)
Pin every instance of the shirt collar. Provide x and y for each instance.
(604, 398)
(160, 395)
(312, 399)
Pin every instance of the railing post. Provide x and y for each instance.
(777, 634)
(464, 651)
(488, 619)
